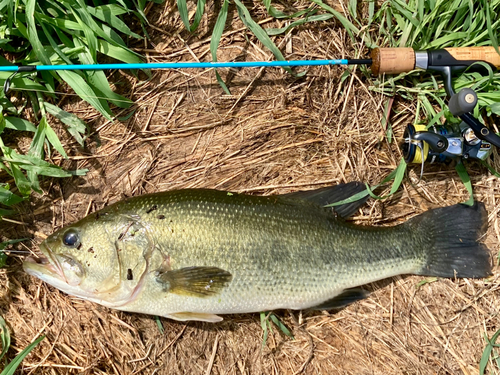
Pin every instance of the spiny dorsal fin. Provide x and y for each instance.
(195, 281)
(332, 194)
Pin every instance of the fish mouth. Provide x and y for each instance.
(41, 259)
(44, 264)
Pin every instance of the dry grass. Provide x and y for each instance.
(275, 134)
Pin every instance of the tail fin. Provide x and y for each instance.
(453, 233)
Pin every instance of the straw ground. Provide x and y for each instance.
(276, 133)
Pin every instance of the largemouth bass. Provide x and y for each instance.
(194, 254)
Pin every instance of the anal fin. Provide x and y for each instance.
(201, 317)
(345, 298)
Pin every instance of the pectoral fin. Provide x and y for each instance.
(201, 317)
(345, 298)
(195, 281)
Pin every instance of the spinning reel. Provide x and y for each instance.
(445, 143)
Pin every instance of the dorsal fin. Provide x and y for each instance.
(332, 194)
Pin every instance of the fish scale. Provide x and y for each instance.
(192, 254)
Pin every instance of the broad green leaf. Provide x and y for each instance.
(118, 53)
(99, 81)
(4, 212)
(22, 183)
(108, 13)
(20, 124)
(86, 93)
(54, 140)
(85, 21)
(48, 34)
(8, 198)
(34, 164)
(76, 127)
(36, 147)
(25, 84)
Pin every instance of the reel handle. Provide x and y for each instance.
(437, 142)
(462, 102)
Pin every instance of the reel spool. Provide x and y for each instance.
(442, 144)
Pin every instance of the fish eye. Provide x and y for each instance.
(71, 238)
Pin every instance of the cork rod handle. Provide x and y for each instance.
(392, 60)
(486, 54)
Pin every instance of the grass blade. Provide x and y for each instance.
(351, 29)
(108, 13)
(487, 352)
(264, 323)
(159, 324)
(8, 198)
(215, 40)
(81, 87)
(37, 46)
(200, 9)
(464, 176)
(53, 139)
(76, 127)
(4, 337)
(11, 367)
(283, 328)
(259, 32)
(183, 12)
(19, 124)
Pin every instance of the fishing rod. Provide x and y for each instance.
(447, 62)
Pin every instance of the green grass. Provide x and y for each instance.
(490, 354)
(11, 367)
(266, 321)
(434, 25)
(56, 32)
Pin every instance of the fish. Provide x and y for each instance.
(196, 254)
